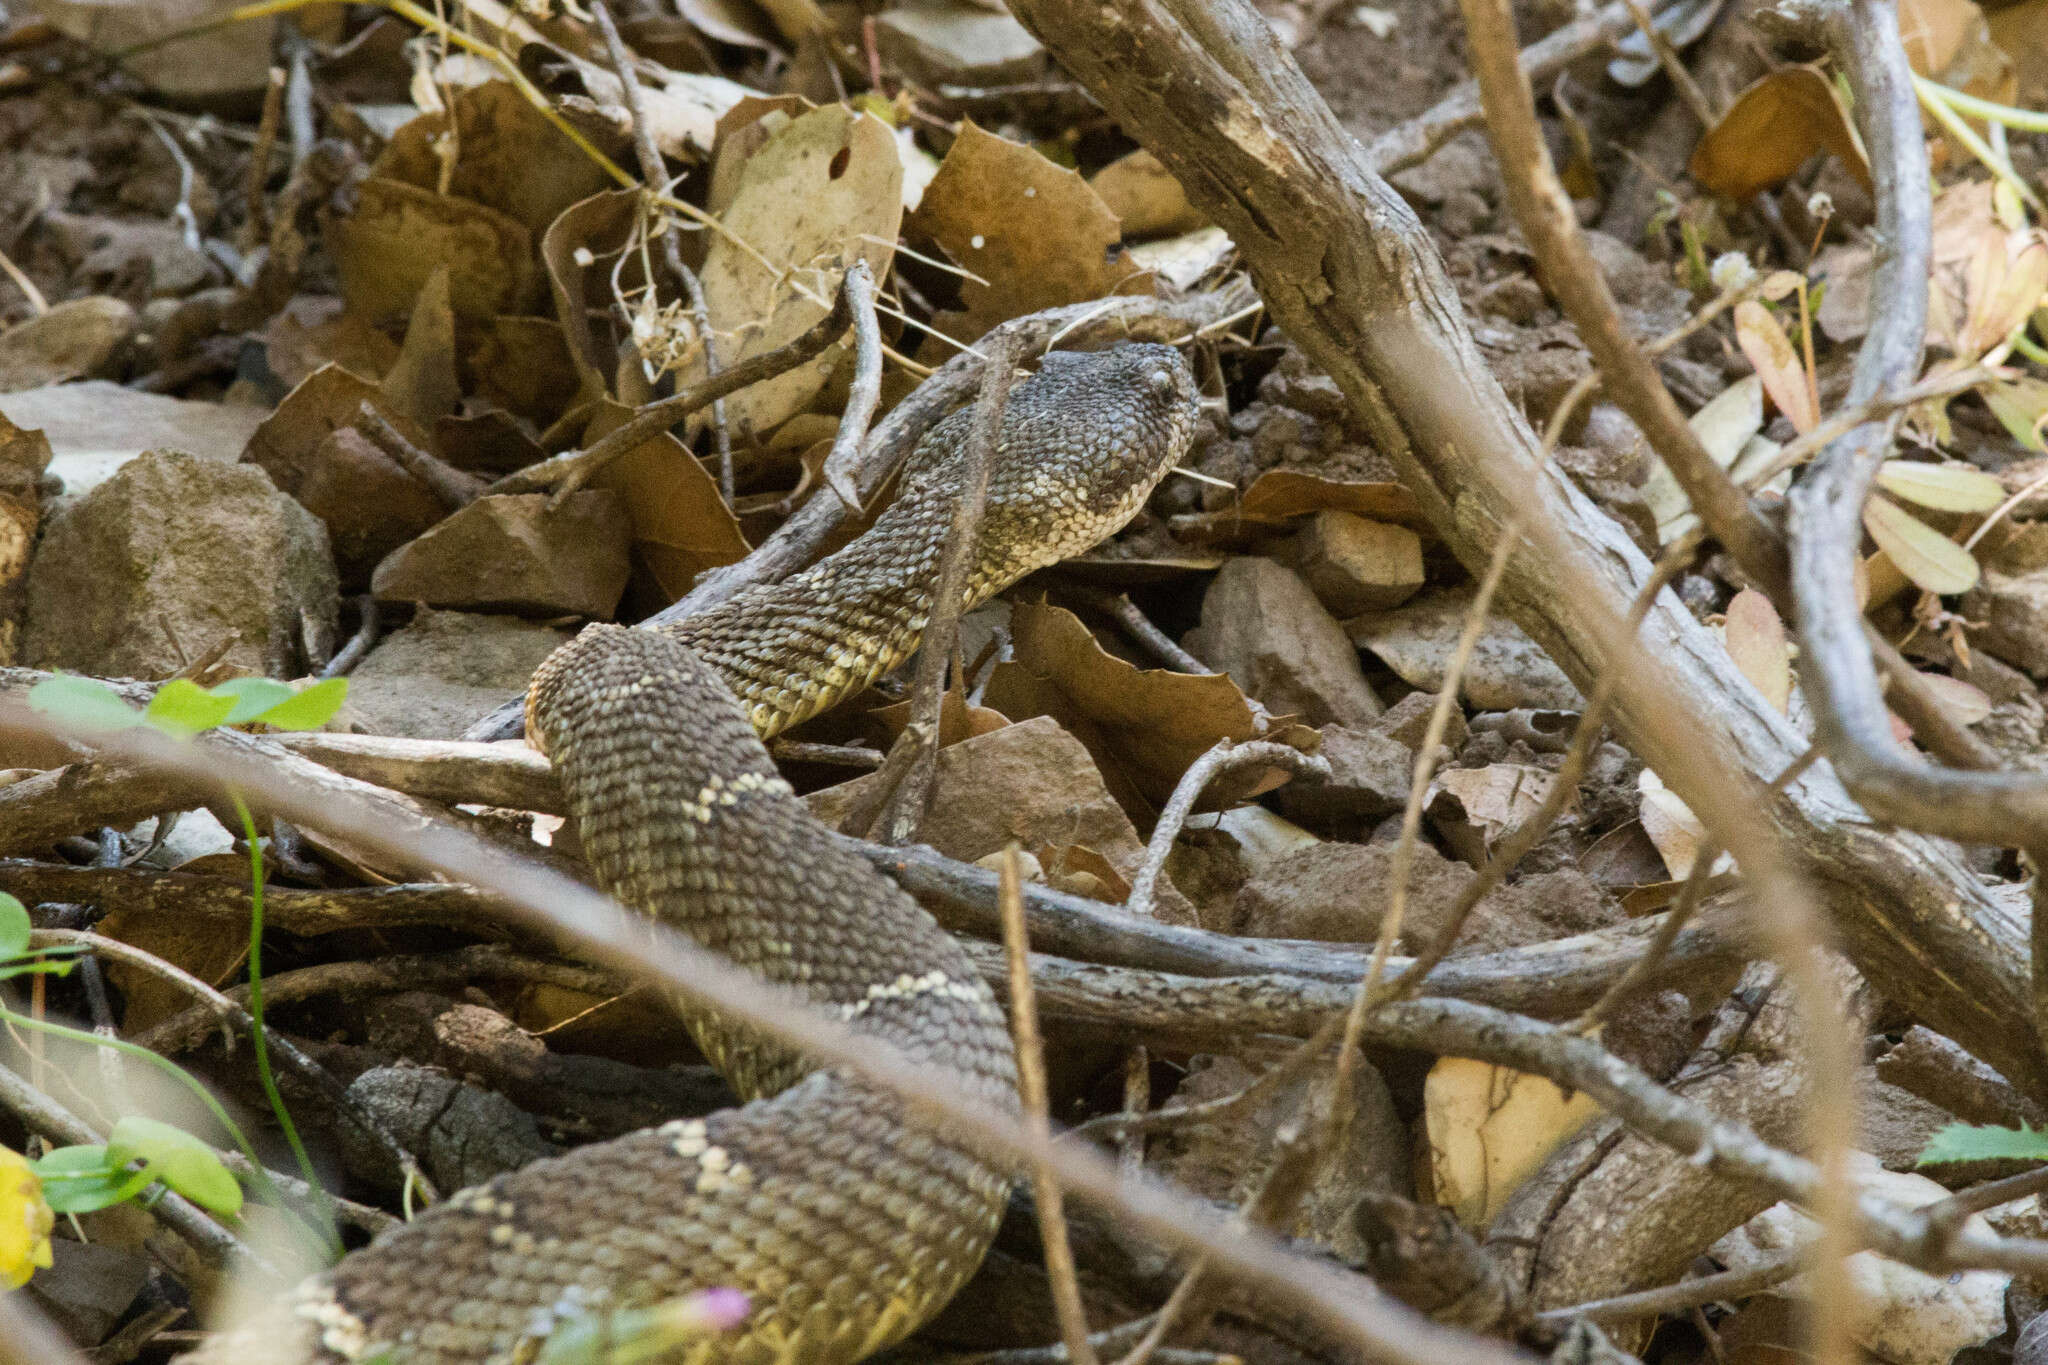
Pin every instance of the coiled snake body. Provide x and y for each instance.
(845, 1224)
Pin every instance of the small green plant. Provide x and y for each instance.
(1982, 1142)
(141, 1152)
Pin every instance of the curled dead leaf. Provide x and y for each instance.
(1770, 131)
(1144, 726)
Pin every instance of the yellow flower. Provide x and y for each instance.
(25, 1221)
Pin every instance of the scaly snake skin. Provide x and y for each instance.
(845, 1224)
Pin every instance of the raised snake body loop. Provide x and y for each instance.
(846, 1224)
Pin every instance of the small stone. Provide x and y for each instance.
(446, 670)
(1407, 720)
(1507, 669)
(370, 504)
(1354, 565)
(171, 555)
(510, 553)
(70, 341)
(1369, 777)
(1262, 626)
(1032, 782)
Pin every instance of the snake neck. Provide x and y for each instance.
(794, 649)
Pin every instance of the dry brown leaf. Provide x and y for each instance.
(1929, 560)
(1280, 495)
(583, 234)
(820, 194)
(1034, 233)
(231, 59)
(681, 526)
(196, 945)
(1144, 726)
(1146, 199)
(330, 398)
(1777, 364)
(1499, 797)
(1770, 131)
(1670, 823)
(1755, 638)
(1933, 32)
(1965, 703)
(2008, 279)
(520, 364)
(957, 719)
(508, 157)
(421, 383)
(400, 234)
(2021, 32)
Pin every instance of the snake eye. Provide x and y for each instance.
(1162, 382)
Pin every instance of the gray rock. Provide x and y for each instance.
(172, 554)
(1354, 565)
(444, 671)
(1369, 777)
(510, 553)
(1262, 626)
(462, 1134)
(1228, 1159)
(1507, 669)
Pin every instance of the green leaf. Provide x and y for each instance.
(57, 961)
(253, 696)
(84, 1179)
(310, 709)
(1944, 487)
(1932, 561)
(1971, 1142)
(181, 1161)
(86, 703)
(14, 927)
(182, 708)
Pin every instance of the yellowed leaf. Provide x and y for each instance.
(1675, 831)
(2008, 281)
(2021, 406)
(1756, 641)
(1777, 364)
(1944, 487)
(820, 193)
(1490, 1129)
(1964, 703)
(1929, 560)
(1770, 131)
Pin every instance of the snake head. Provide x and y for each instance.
(1107, 425)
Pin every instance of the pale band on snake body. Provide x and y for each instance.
(845, 1224)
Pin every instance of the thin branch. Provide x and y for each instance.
(1544, 211)
(566, 473)
(903, 809)
(861, 397)
(1676, 1298)
(653, 175)
(223, 1008)
(613, 936)
(1031, 1091)
(1223, 757)
(41, 1114)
